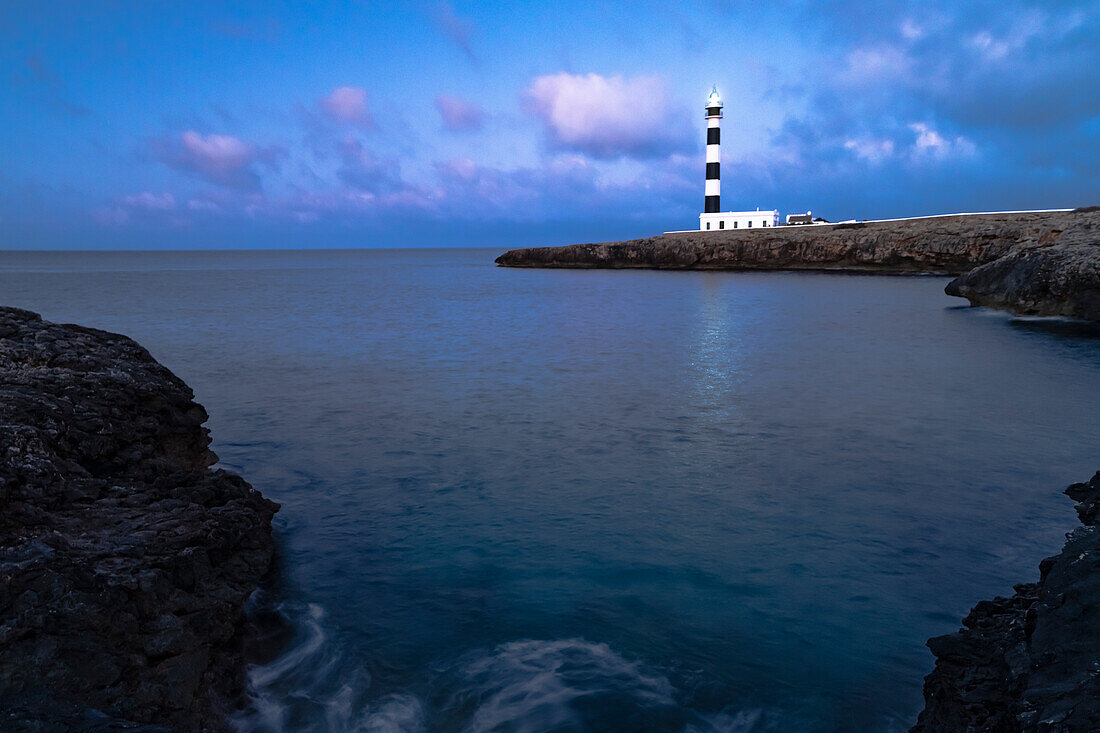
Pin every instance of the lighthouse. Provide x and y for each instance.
(713, 217)
(713, 191)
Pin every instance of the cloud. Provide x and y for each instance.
(144, 205)
(459, 115)
(876, 65)
(455, 27)
(872, 150)
(990, 106)
(458, 169)
(569, 186)
(1027, 66)
(608, 117)
(349, 105)
(220, 159)
(989, 48)
(911, 31)
(930, 142)
(927, 138)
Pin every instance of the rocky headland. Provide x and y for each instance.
(125, 560)
(1059, 279)
(1030, 662)
(1044, 263)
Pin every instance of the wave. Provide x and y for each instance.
(525, 686)
(312, 688)
(548, 685)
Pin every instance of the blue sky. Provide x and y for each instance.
(359, 124)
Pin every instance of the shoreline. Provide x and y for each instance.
(1035, 263)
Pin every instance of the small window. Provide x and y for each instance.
(764, 223)
(750, 223)
(722, 224)
(708, 225)
(734, 225)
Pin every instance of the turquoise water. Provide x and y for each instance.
(533, 500)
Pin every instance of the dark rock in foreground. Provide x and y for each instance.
(124, 559)
(1030, 662)
(1060, 280)
(940, 245)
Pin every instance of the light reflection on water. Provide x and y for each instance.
(671, 501)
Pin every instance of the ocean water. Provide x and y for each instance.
(549, 500)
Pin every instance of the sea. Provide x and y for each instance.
(589, 500)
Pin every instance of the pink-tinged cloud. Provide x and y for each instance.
(220, 159)
(562, 185)
(608, 117)
(459, 115)
(348, 105)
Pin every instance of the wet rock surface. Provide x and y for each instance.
(1030, 662)
(125, 561)
(940, 245)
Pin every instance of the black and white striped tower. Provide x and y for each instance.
(712, 204)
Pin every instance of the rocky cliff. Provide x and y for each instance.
(1062, 279)
(1030, 662)
(124, 559)
(941, 245)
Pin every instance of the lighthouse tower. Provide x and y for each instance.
(713, 217)
(713, 192)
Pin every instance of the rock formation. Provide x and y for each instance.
(1062, 279)
(1030, 662)
(1039, 263)
(125, 560)
(940, 245)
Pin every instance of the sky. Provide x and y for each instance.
(180, 125)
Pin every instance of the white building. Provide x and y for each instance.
(739, 219)
(713, 217)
